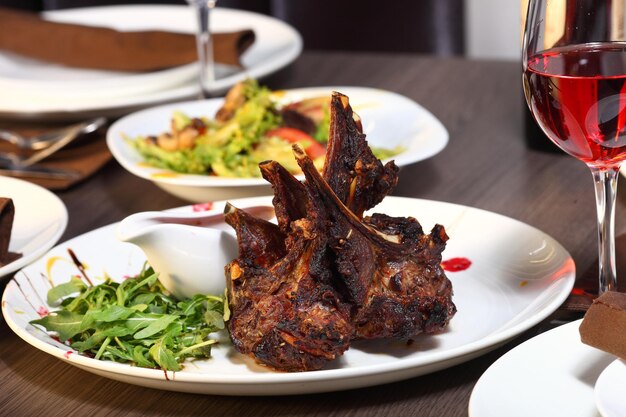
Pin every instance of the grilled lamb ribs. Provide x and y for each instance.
(301, 290)
(390, 269)
(352, 171)
(285, 312)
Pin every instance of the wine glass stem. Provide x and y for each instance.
(204, 43)
(605, 180)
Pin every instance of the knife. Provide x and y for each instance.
(37, 171)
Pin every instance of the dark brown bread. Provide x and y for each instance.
(7, 212)
(604, 324)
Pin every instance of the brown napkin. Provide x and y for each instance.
(85, 157)
(7, 212)
(102, 48)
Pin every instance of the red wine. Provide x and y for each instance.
(577, 94)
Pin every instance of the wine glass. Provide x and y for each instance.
(204, 41)
(574, 61)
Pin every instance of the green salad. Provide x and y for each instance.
(136, 321)
(248, 129)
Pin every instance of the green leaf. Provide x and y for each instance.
(113, 313)
(190, 307)
(115, 331)
(142, 358)
(155, 327)
(103, 347)
(214, 319)
(115, 354)
(163, 356)
(89, 343)
(58, 292)
(144, 298)
(65, 323)
(139, 320)
(136, 321)
(203, 349)
(150, 280)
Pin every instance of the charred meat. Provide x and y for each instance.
(285, 311)
(301, 290)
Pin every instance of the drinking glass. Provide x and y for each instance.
(574, 61)
(204, 41)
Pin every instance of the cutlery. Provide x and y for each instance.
(37, 171)
(14, 160)
(47, 139)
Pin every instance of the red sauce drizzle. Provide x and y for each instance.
(202, 206)
(456, 264)
(67, 354)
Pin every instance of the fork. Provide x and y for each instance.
(65, 136)
(46, 139)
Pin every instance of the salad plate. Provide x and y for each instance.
(552, 374)
(34, 230)
(389, 120)
(507, 289)
(34, 88)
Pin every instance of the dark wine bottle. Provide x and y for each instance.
(534, 136)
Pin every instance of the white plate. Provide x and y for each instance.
(519, 276)
(609, 390)
(552, 374)
(40, 220)
(389, 120)
(34, 88)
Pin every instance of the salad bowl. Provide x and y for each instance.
(390, 120)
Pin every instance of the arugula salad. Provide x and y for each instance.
(248, 129)
(136, 321)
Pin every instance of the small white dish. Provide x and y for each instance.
(552, 374)
(40, 220)
(507, 289)
(32, 88)
(609, 390)
(183, 247)
(389, 120)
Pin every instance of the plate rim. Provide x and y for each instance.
(476, 347)
(44, 248)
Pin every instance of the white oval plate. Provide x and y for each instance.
(609, 390)
(40, 220)
(389, 120)
(31, 87)
(518, 277)
(552, 374)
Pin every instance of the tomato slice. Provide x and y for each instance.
(312, 147)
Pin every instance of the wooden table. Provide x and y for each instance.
(486, 165)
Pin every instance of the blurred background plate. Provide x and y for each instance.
(389, 120)
(33, 89)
